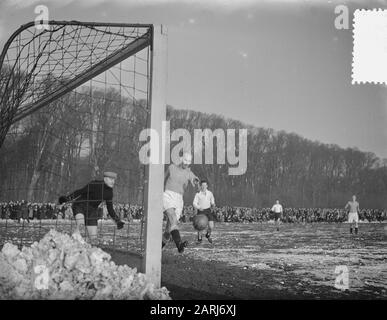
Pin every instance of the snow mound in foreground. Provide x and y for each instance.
(66, 267)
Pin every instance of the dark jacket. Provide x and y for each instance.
(90, 197)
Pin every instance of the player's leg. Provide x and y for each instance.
(92, 233)
(277, 220)
(19, 216)
(211, 226)
(79, 222)
(167, 230)
(200, 233)
(91, 223)
(200, 236)
(356, 219)
(351, 222)
(169, 203)
(25, 216)
(175, 233)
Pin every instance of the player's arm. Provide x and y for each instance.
(194, 179)
(73, 196)
(346, 206)
(196, 202)
(212, 202)
(112, 214)
(110, 210)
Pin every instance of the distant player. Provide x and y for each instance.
(176, 182)
(204, 203)
(277, 210)
(86, 202)
(353, 215)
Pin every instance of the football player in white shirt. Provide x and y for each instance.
(278, 210)
(204, 203)
(353, 215)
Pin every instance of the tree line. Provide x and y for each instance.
(76, 138)
(285, 166)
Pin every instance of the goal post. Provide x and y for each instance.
(155, 172)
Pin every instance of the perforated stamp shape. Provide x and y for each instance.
(369, 47)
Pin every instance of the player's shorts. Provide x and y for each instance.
(174, 200)
(353, 217)
(210, 215)
(91, 214)
(275, 215)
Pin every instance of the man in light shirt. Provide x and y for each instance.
(204, 203)
(277, 210)
(353, 215)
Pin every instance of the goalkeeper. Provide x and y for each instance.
(85, 203)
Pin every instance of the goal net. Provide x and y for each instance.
(74, 98)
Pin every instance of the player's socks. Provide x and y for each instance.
(350, 230)
(356, 230)
(166, 236)
(181, 246)
(208, 236)
(176, 236)
(177, 239)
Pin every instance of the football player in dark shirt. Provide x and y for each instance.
(85, 203)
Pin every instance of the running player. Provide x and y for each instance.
(204, 203)
(176, 181)
(277, 210)
(86, 202)
(353, 215)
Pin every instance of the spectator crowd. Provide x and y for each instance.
(290, 215)
(35, 211)
(17, 210)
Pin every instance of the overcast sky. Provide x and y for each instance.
(277, 64)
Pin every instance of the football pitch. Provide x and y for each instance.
(254, 261)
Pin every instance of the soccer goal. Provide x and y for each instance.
(74, 97)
